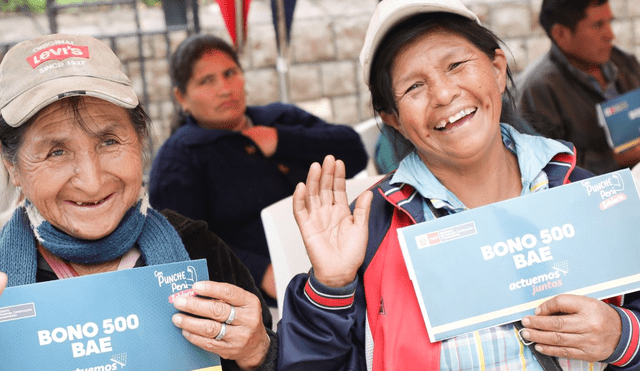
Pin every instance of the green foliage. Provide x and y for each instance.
(36, 6)
(40, 6)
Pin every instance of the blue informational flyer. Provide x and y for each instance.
(103, 322)
(620, 118)
(495, 264)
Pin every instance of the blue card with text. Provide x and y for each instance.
(620, 118)
(495, 264)
(103, 322)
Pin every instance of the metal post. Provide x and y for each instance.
(239, 25)
(193, 18)
(51, 14)
(196, 16)
(282, 62)
(143, 72)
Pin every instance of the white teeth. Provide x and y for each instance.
(85, 203)
(461, 114)
(455, 117)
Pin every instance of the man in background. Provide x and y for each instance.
(558, 93)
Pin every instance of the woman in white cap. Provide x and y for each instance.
(436, 76)
(74, 139)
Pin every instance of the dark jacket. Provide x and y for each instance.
(561, 104)
(221, 176)
(223, 266)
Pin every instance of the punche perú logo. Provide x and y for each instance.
(58, 52)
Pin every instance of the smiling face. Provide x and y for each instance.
(81, 181)
(215, 92)
(448, 97)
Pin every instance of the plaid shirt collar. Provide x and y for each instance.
(533, 152)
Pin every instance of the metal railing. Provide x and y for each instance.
(53, 9)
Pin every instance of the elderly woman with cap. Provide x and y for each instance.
(436, 76)
(74, 140)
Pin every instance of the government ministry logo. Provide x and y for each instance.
(619, 107)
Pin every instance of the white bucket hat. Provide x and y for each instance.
(391, 12)
(40, 71)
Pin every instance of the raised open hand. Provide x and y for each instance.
(335, 239)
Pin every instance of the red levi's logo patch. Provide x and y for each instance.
(58, 52)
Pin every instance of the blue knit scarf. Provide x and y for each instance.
(156, 238)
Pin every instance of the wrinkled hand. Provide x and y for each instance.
(265, 137)
(246, 339)
(3, 282)
(574, 327)
(335, 240)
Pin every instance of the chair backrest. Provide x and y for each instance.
(288, 254)
(369, 132)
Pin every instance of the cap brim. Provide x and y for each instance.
(399, 14)
(27, 104)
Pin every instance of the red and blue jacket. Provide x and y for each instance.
(325, 328)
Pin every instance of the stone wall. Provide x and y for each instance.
(324, 75)
(516, 23)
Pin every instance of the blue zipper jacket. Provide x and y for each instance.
(326, 328)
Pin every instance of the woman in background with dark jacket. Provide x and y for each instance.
(226, 161)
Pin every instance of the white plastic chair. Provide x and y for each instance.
(369, 133)
(288, 254)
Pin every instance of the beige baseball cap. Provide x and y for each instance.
(391, 12)
(40, 71)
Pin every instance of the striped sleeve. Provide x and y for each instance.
(329, 298)
(628, 346)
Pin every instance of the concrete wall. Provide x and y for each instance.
(324, 75)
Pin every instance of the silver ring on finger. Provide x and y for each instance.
(232, 315)
(223, 331)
